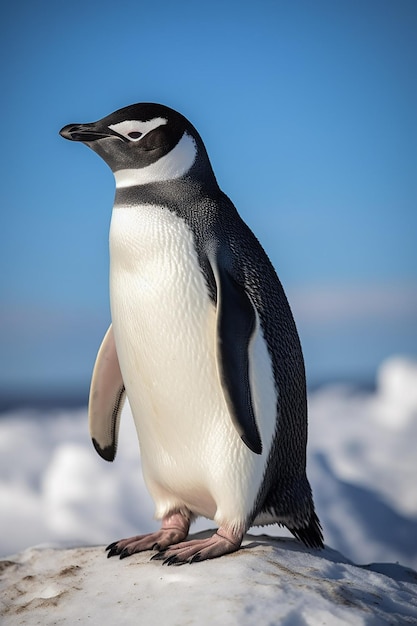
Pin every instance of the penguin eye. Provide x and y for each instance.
(134, 135)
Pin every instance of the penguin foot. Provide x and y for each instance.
(222, 542)
(173, 530)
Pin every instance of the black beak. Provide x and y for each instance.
(83, 132)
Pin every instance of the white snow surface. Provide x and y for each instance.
(267, 582)
(362, 462)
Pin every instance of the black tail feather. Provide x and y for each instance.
(311, 535)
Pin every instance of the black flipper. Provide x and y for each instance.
(236, 325)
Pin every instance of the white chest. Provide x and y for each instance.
(162, 316)
(164, 325)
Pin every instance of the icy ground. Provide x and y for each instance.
(362, 464)
(268, 582)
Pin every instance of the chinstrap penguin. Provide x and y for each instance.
(202, 342)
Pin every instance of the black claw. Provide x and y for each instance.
(156, 546)
(113, 552)
(158, 557)
(111, 546)
(196, 558)
(175, 560)
(124, 553)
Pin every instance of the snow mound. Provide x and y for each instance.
(362, 465)
(269, 581)
(396, 405)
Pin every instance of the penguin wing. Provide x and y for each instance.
(237, 322)
(107, 396)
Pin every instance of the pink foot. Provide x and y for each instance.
(222, 542)
(174, 529)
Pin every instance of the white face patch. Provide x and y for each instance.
(173, 165)
(134, 130)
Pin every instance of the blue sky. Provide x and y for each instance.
(308, 112)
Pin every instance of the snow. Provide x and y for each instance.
(363, 466)
(56, 491)
(268, 582)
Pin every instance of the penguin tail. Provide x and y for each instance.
(311, 534)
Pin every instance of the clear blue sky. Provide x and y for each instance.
(308, 111)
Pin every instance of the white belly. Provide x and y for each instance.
(164, 327)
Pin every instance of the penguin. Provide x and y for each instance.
(203, 344)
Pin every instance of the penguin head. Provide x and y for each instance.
(145, 143)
